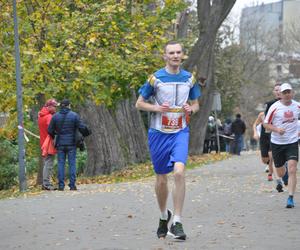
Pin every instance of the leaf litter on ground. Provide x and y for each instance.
(129, 174)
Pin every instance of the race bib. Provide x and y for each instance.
(171, 121)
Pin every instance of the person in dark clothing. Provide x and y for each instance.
(238, 128)
(227, 130)
(210, 135)
(64, 124)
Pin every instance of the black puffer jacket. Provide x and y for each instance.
(65, 129)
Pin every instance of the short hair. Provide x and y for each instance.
(238, 116)
(65, 103)
(172, 43)
(277, 84)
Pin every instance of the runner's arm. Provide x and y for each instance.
(272, 128)
(192, 106)
(258, 121)
(141, 104)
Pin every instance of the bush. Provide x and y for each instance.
(8, 164)
(81, 162)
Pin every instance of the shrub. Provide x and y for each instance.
(8, 163)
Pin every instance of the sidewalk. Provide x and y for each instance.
(228, 205)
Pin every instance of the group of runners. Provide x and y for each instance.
(278, 133)
(171, 96)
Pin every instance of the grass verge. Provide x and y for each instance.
(131, 173)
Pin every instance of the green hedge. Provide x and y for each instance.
(8, 163)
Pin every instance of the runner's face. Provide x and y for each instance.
(276, 92)
(287, 95)
(173, 55)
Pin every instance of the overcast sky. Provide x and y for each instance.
(240, 4)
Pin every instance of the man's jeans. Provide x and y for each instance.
(47, 170)
(62, 153)
(238, 144)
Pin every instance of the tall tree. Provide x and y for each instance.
(94, 53)
(211, 14)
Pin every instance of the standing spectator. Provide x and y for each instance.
(227, 130)
(210, 135)
(282, 121)
(238, 128)
(64, 124)
(174, 93)
(44, 118)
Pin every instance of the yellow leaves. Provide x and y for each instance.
(92, 39)
(79, 68)
(127, 51)
(29, 52)
(104, 40)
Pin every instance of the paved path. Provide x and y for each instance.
(229, 205)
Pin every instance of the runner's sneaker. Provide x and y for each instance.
(163, 226)
(267, 169)
(270, 178)
(290, 202)
(279, 188)
(177, 231)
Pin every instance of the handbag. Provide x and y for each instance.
(79, 140)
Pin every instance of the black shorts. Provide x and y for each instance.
(265, 146)
(283, 153)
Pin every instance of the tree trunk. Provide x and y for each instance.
(130, 125)
(211, 14)
(182, 26)
(118, 137)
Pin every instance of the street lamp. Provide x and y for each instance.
(22, 169)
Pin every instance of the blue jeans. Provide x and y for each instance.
(62, 153)
(238, 144)
(227, 147)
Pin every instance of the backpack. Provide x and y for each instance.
(227, 129)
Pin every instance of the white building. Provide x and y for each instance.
(273, 32)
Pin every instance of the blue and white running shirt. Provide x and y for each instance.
(176, 89)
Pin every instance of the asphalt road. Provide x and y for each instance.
(229, 205)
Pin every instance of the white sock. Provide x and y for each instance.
(176, 219)
(164, 215)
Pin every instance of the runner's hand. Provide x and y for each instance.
(280, 131)
(187, 108)
(164, 107)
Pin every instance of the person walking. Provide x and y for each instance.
(282, 121)
(171, 95)
(44, 118)
(238, 128)
(64, 124)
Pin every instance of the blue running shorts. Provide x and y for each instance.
(166, 149)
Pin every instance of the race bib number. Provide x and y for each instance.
(171, 121)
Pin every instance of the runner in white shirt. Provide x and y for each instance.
(282, 121)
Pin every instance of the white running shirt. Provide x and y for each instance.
(286, 117)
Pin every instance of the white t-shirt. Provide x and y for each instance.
(298, 129)
(286, 117)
